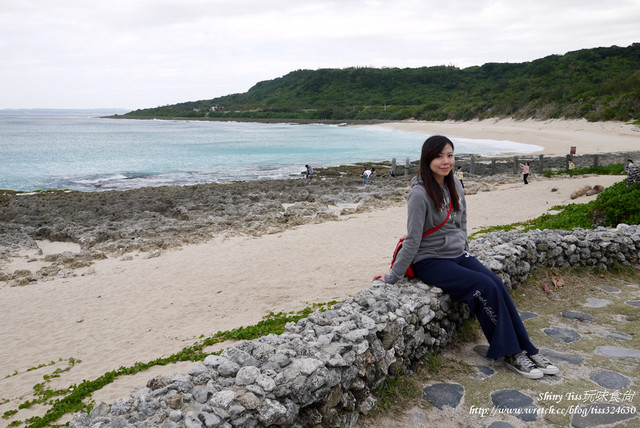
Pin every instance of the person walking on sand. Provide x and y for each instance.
(309, 173)
(460, 176)
(572, 166)
(525, 172)
(442, 259)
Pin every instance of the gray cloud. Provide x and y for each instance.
(145, 53)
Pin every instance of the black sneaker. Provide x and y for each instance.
(522, 365)
(543, 364)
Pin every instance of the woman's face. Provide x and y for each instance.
(442, 164)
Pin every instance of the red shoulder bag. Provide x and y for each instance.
(409, 273)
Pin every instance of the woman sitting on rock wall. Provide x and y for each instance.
(437, 205)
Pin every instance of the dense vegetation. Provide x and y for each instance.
(616, 204)
(597, 84)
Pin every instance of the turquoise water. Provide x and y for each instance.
(88, 153)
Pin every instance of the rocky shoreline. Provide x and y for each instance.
(153, 219)
(157, 218)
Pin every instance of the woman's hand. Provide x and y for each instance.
(379, 278)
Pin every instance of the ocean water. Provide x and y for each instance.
(81, 151)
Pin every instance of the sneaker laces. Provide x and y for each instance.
(523, 361)
(539, 360)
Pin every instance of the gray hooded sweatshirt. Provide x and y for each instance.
(450, 241)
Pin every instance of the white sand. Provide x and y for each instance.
(123, 311)
(556, 136)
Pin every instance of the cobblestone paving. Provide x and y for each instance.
(588, 332)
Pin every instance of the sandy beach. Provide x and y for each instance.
(557, 136)
(142, 305)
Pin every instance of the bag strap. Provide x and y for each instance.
(430, 231)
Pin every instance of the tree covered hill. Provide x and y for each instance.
(597, 84)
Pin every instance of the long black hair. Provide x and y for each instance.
(431, 148)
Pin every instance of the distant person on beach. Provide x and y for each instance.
(572, 166)
(366, 174)
(436, 204)
(460, 176)
(525, 172)
(309, 173)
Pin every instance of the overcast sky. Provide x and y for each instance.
(145, 53)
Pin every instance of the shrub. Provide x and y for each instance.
(573, 215)
(616, 204)
(601, 170)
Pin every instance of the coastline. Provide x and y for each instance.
(144, 288)
(557, 136)
(491, 137)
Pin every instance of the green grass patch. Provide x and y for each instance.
(395, 391)
(469, 331)
(614, 169)
(403, 389)
(573, 215)
(616, 204)
(73, 398)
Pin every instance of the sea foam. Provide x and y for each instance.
(73, 151)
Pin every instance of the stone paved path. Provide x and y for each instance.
(589, 333)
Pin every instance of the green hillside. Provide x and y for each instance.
(597, 84)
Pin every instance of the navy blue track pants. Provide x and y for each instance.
(469, 281)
